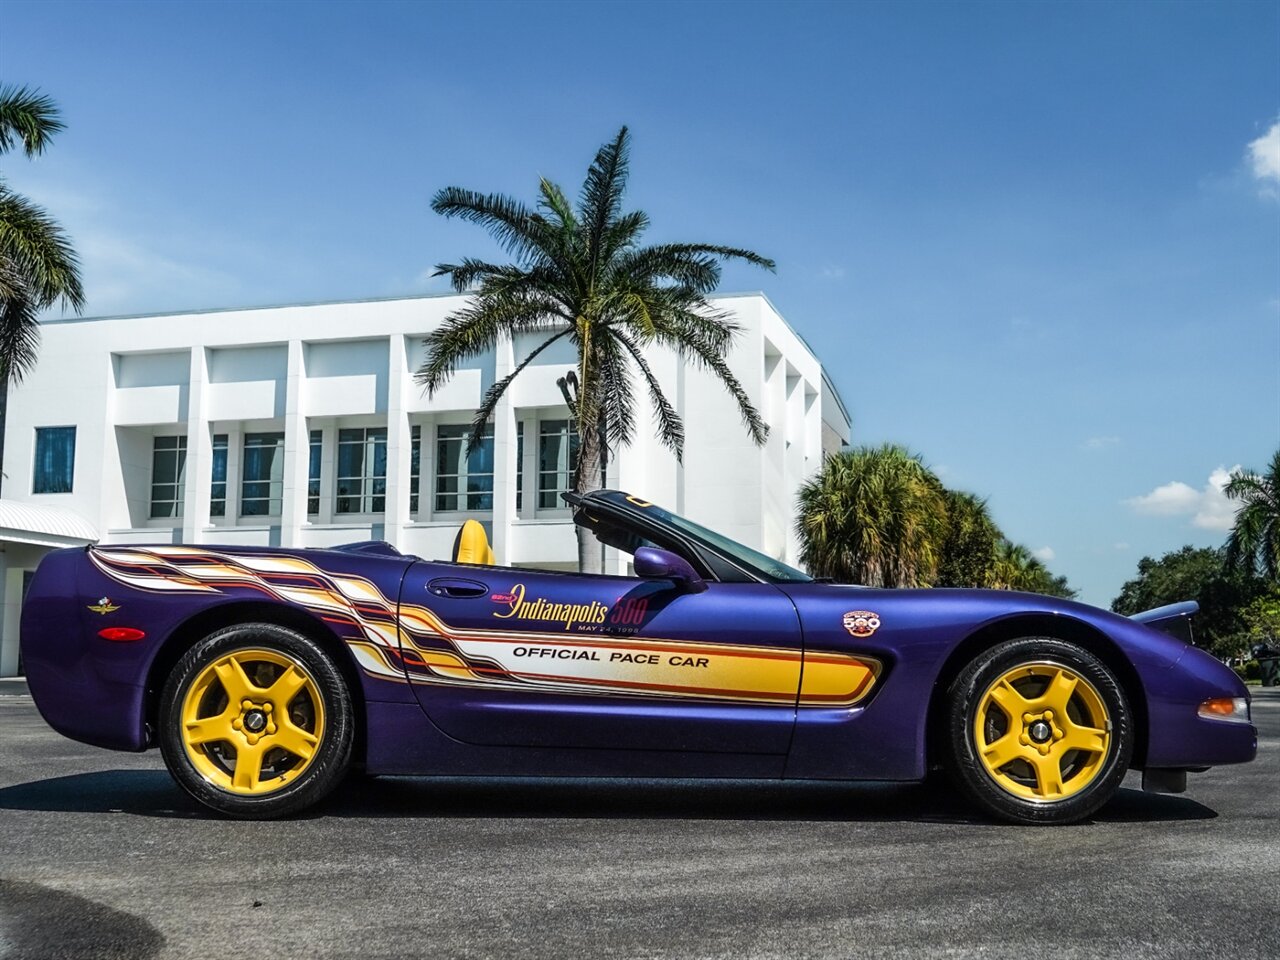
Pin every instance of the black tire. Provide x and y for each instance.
(302, 781)
(1022, 788)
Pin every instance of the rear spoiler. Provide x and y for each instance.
(1173, 619)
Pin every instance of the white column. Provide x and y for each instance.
(235, 453)
(199, 480)
(297, 450)
(328, 471)
(399, 443)
(12, 590)
(504, 458)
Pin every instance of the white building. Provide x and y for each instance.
(302, 426)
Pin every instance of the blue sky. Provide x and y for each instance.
(1037, 243)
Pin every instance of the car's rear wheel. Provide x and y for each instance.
(256, 722)
(1040, 731)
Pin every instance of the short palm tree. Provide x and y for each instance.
(38, 266)
(969, 550)
(581, 275)
(875, 516)
(1254, 544)
(1014, 568)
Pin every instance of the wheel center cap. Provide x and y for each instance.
(254, 721)
(1040, 731)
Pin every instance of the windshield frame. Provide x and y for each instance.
(635, 511)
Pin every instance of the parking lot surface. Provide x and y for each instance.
(101, 856)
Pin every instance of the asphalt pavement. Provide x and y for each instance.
(101, 856)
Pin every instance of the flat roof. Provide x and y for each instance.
(200, 311)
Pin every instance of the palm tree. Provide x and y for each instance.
(873, 515)
(38, 266)
(969, 550)
(1014, 567)
(580, 275)
(1254, 544)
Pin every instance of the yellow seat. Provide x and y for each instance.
(472, 545)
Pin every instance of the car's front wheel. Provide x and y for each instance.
(1040, 731)
(256, 722)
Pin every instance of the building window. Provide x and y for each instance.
(463, 481)
(262, 475)
(415, 469)
(168, 475)
(55, 463)
(557, 459)
(218, 488)
(313, 472)
(519, 465)
(362, 470)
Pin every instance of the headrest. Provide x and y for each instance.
(472, 545)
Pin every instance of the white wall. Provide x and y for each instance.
(122, 381)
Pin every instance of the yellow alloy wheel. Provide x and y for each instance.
(1042, 732)
(252, 721)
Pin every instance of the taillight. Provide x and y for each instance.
(121, 634)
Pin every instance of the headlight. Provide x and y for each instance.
(1234, 709)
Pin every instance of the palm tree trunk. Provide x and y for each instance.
(4, 416)
(587, 478)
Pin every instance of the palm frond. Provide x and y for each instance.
(464, 276)
(19, 339)
(668, 427)
(713, 360)
(515, 227)
(491, 397)
(39, 250)
(29, 117)
(617, 398)
(601, 200)
(477, 327)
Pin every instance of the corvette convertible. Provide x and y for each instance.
(264, 675)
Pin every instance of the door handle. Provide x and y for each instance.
(456, 589)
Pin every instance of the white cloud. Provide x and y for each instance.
(123, 276)
(1208, 507)
(124, 272)
(833, 272)
(1264, 155)
(1044, 554)
(1100, 443)
(1122, 545)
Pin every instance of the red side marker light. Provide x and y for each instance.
(121, 634)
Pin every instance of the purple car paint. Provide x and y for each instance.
(696, 667)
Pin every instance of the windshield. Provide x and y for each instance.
(751, 559)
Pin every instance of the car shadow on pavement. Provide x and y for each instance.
(153, 793)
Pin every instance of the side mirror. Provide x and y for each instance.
(652, 563)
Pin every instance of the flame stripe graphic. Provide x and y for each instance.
(412, 643)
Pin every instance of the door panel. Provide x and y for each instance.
(551, 659)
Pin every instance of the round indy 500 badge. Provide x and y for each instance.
(861, 623)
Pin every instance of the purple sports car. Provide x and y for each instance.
(265, 674)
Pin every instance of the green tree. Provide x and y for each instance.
(1016, 568)
(969, 550)
(1013, 567)
(581, 275)
(1261, 619)
(1194, 574)
(1254, 544)
(38, 266)
(873, 515)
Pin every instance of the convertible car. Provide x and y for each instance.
(265, 674)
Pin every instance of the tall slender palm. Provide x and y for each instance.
(38, 266)
(873, 515)
(581, 275)
(1254, 544)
